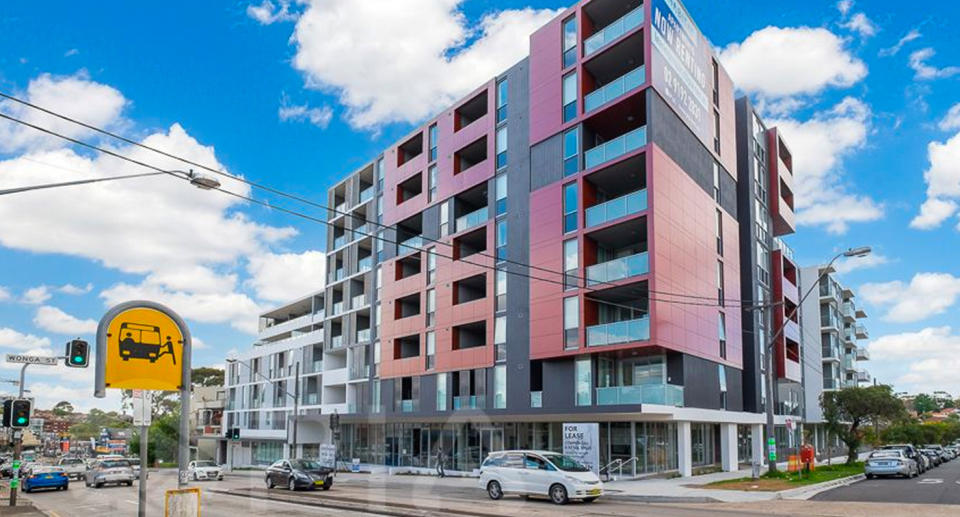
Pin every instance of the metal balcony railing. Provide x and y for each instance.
(618, 28)
(632, 203)
(616, 148)
(626, 82)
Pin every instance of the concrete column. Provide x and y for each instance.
(756, 435)
(684, 449)
(728, 448)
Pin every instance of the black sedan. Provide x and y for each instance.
(295, 474)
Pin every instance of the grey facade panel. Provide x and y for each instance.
(546, 162)
(558, 384)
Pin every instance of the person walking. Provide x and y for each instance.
(441, 457)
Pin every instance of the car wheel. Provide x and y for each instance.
(98, 485)
(195, 477)
(327, 483)
(590, 499)
(292, 485)
(869, 476)
(558, 494)
(494, 490)
(269, 483)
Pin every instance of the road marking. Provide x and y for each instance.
(131, 502)
(931, 481)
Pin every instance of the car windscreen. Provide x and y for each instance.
(114, 464)
(566, 463)
(71, 461)
(206, 464)
(305, 465)
(888, 454)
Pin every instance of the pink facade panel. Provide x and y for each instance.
(546, 251)
(546, 69)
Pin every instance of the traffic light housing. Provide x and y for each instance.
(78, 354)
(19, 413)
(235, 433)
(7, 411)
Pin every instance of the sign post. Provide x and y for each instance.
(142, 415)
(145, 345)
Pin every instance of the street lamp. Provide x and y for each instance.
(200, 181)
(861, 251)
(295, 395)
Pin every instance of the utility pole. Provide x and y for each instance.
(296, 409)
(17, 447)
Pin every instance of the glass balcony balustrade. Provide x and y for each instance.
(536, 399)
(616, 148)
(475, 218)
(662, 394)
(618, 269)
(411, 244)
(626, 82)
(625, 331)
(468, 402)
(632, 203)
(618, 28)
(366, 194)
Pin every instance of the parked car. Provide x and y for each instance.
(538, 473)
(913, 453)
(75, 468)
(295, 474)
(892, 462)
(945, 457)
(111, 471)
(198, 470)
(953, 450)
(135, 465)
(39, 477)
(935, 458)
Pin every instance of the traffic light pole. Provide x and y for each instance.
(17, 445)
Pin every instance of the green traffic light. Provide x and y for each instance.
(21, 420)
(77, 359)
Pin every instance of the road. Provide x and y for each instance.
(940, 485)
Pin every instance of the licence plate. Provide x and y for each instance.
(884, 463)
(318, 482)
(595, 491)
(47, 477)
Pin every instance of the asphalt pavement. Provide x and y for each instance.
(940, 485)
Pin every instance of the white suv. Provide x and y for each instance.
(538, 473)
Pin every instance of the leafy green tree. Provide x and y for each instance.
(924, 403)
(162, 439)
(62, 408)
(849, 410)
(207, 376)
(96, 420)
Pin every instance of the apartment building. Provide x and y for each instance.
(576, 240)
(206, 416)
(832, 327)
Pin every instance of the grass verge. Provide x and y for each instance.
(777, 481)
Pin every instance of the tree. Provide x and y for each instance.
(924, 403)
(847, 411)
(206, 376)
(95, 421)
(162, 439)
(63, 408)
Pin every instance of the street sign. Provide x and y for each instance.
(143, 348)
(142, 407)
(32, 359)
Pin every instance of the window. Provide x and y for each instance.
(500, 386)
(716, 83)
(762, 225)
(720, 296)
(431, 350)
(569, 207)
(501, 101)
(571, 264)
(719, 233)
(501, 148)
(379, 209)
(584, 381)
(716, 131)
(500, 186)
(431, 183)
(441, 392)
(722, 334)
(571, 152)
(444, 218)
(716, 182)
(569, 41)
(569, 97)
(500, 338)
(432, 142)
(571, 322)
(380, 174)
(763, 261)
(431, 265)
(501, 291)
(502, 240)
(431, 307)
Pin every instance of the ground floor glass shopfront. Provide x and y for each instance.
(465, 445)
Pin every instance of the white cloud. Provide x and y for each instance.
(390, 61)
(844, 6)
(76, 96)
(952, 119)
(55, 320)
(907, 38)
(283, 277)
(927, 294)
(818, 146)
(75, 290)
(267, 12)
(71, 52)
(924, 71)
(851, 264)
(862, 25)
(4, 294)
(198, 344)
(780, 62)
(943, 184)
(237, 309)
(36, 295)
(922, 361)
(10, 338)
(319, 117)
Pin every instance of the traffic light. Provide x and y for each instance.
(235, 433)
(20, 414)
(7, 410)
(78, 354)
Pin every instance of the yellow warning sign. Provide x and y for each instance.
(144, 351)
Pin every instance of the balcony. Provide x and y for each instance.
(336, 342)
(407, 406)
(611, 32)
(341, 241)
(623, 84)
(311, 399)
(618, 269)
(337, 308)
(787, 251)
(360, 372)
(338, 274)
(366, 194)
(363, 335)
(365, 264)
(626, 331)
(849, 361)
(414, 243)
(848, 312)
(662, 394)
(614, 209)
(475, 218)
(863, 354)
(616, 148)
(848, 335)
(863, 376)
(861, 332)
(831, 384)
(358, 301)
(468, 402)
(536, 399)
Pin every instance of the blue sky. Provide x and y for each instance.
(296, 94)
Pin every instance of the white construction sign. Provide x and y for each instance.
(142, 407)
(582, 443)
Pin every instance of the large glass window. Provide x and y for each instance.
(502, 239)
(501, 147)
(432, 139)
(444, 218)
(716, 182)
(716, 131)
(431, 183)
(569, 207)
(500, 386)
(571, 152)
(722, 334)
(431, 265)
(500, 185)
(380, 174)
(441, 392)
(500, 338)
(571, 322)
(431, 307)
(431, 350)
(502, 101)
(501, 290)
(720, 233)
(569, 41)
(571, 264)
(569, 97)
(720, 292)
(584, 380)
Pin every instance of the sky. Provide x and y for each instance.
(296, 94)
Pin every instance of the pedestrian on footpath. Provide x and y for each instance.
(440, 459)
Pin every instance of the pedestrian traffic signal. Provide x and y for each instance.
(78, 354)
(20, 413)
